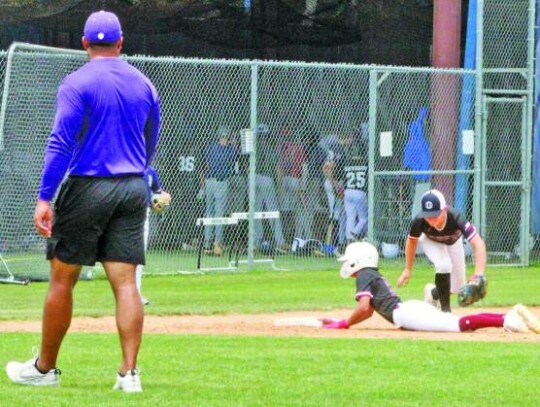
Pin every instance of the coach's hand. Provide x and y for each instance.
(404, 278)
(43, 215)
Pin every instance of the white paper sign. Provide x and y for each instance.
(246, 141)
(385, 146)
(468, 142)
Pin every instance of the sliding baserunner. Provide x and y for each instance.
(374, 294)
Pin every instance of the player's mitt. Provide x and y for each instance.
(473, 291)
(160, 202)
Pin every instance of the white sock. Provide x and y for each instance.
(138, 277)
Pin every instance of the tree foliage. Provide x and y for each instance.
(377, 31)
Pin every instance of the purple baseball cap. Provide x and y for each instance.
(102, 27)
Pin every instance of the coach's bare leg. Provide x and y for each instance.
(129, 311)
(57, 311)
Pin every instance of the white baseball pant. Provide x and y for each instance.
(416, 315)
(140, 267)
(446, 259)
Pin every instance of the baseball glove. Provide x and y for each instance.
(160, 202)
(473, 291)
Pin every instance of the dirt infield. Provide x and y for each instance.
(263, 325)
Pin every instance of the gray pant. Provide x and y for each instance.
(266, 200)
(290, 201)
(238, 194)
(337, 211)
(308, 205)
(216, 205)
(356, 211)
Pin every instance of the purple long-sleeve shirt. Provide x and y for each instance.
(106, 124)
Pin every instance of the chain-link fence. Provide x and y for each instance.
(342, 152)
(3, 61)
(319, 128)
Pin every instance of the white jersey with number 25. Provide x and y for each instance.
(355, 177)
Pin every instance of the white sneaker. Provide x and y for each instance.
(130, 383)
(513, 322)
(144, 300)
(428, 296)
(28, 374)
(530, 319)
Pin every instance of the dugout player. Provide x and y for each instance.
(439, 229)
(181, 160)
(354, 169)
(333, 185)
(265, 193)
(291, 160)
(374, 294)
(103, 137)
(220, 160)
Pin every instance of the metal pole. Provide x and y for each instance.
(479, 189)
(373, 76)
(252, 165)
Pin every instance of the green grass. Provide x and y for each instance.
(257, 292)
(238, 371)
(195, 370)
(32, 264)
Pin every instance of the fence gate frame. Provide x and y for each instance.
(523, 183)
(501, 82)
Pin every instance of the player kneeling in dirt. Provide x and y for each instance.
(374, 293)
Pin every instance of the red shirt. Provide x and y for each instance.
(291, 159)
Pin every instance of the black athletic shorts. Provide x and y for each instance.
(99, 219)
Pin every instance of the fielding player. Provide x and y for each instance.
(103, 137)
(374, 293)
(439, 229)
